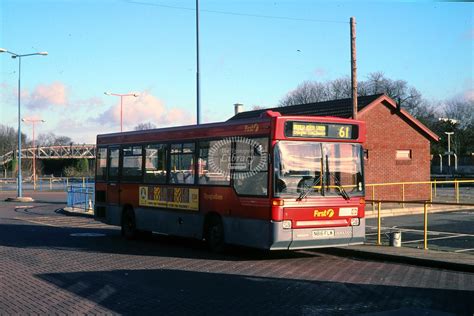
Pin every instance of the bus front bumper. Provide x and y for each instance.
(305, 238)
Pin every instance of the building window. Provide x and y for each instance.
(403, 154)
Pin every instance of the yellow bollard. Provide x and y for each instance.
(431, 192)
(83, 182)
(435, 187)
(373, 198)
(50, 184)
(425, 233)
(379, 206)
(403, 195)
(456, 185)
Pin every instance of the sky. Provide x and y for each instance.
(251, 52)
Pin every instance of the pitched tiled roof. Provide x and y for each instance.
(340, 108)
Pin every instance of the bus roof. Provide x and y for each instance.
(244, 127)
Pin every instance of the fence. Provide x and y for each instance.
(435, 191)
(425, 216)
(80, 198)
(47, 183)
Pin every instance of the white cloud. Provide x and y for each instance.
(47, 95)
(145, 108)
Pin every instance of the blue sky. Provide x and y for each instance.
(252, 52)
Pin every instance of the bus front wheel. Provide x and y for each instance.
(215, 234)
(129, 227)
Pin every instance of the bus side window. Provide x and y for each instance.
(113, 164)
(155, 163)
(214, 162)
(101, 164)
(132, 162)
(250, 166)
(182, 163)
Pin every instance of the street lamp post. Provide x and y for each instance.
(33, 122)
(449, 148)
(198, 83)
(20, 56)
(121, 102)
(452, 123)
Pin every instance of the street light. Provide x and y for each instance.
(19, 56)
(33, 122)
(449, 148)
(452, 122)
(448, 120)
(121, 102)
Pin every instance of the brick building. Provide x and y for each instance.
(397, 147)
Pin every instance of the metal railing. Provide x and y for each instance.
(451, 189)
(47, 183)
(425, 216)
(52, 152)
(80, 198)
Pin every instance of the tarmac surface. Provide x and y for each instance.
(448, 231)
(52, 262)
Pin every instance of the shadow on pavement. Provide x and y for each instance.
(53, 198)
(23, 235)
(185, 292)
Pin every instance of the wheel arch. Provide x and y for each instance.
(208, 218)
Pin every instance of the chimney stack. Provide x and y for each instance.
(238, 107)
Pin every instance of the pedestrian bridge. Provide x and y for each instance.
(52, 152)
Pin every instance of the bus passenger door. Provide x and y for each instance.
(113, 185)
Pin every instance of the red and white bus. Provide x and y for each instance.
(275, 182)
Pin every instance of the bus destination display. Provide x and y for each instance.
(319, 130)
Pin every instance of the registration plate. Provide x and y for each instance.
(323, 233)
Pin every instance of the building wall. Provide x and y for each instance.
(386, 133)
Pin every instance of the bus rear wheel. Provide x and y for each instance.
(215, 235)
(129, 227)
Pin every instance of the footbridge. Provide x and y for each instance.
(52, 152)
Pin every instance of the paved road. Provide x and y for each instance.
(53, 263)
(451, 231)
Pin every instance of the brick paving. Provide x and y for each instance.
(45, 270)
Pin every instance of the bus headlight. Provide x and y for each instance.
(355, 221)
(286, 225)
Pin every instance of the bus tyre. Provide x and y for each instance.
(129, 228)
(215, 235)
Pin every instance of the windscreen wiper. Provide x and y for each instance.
(306, 189)
(340, 188)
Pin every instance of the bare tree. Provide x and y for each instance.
(340, 88)
(9, 139)
(306, 92)
(399, 90)
(50, 139)
(375, 82)
(461, 110)
(144, 126)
